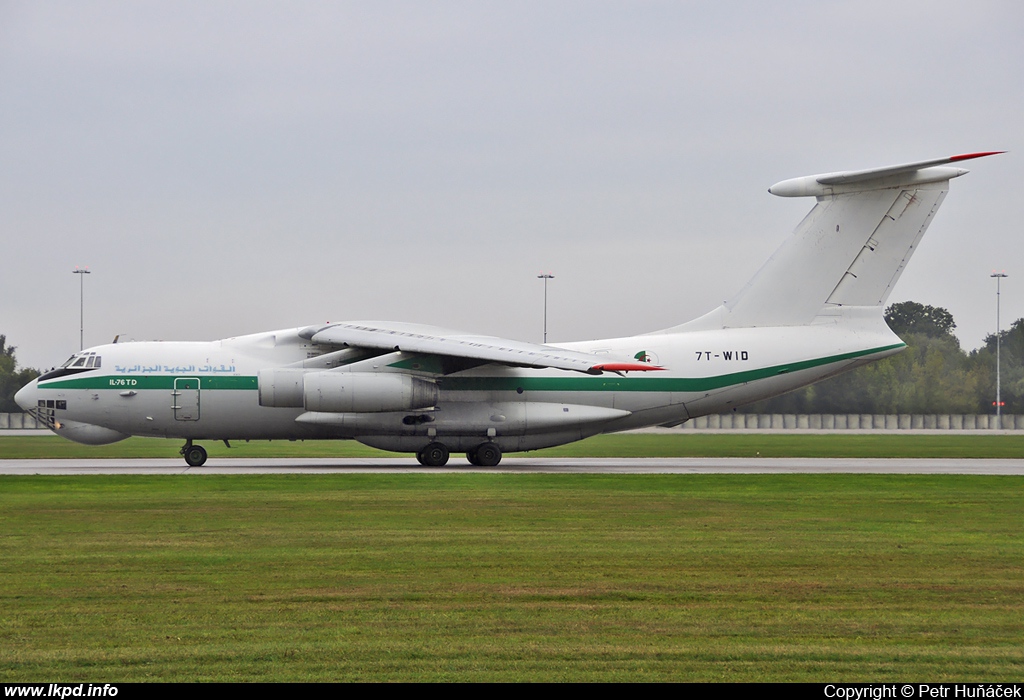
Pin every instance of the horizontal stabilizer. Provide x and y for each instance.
(919, 173)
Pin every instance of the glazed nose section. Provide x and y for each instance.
(27, 396)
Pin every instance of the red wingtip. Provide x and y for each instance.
(969, 156)
(626, 367)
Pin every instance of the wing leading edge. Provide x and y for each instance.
(431, 340)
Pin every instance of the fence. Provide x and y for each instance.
(19, 421)
(853, 421)
(763, 421)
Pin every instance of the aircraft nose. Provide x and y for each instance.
(26, 396)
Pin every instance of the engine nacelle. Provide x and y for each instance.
(281, 388)
(366, 392)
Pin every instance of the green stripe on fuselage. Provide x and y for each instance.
(614, 383)
(158, 381)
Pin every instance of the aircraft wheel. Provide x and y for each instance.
(488, 455)
(195, 456)
(471, 456)
(420, 458)
(434, 455)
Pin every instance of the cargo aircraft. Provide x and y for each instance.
(812, 311)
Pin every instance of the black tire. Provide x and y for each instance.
(195, 456)
(420, 458)
(471, 456)
(488, 455)
(434, 455)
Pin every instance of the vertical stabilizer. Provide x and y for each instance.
(850, 250)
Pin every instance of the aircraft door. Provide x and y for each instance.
(186, 398)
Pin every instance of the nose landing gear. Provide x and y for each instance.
(195, 455)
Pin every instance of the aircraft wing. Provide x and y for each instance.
(431, 340)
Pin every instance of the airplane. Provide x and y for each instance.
(815, 309)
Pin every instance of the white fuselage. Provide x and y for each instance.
(211, 390)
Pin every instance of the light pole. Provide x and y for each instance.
(81, 304)
(546, 276)
(999, 399)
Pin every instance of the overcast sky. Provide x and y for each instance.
(230, 167)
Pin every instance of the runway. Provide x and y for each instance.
(518, 465)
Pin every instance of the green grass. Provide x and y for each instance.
(793, 445)
(53, 447)
(621, 445)
(512, 577)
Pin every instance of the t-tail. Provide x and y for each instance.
(848, 252)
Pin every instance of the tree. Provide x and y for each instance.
(908, 317)
(11, 380)
(1012, 369)
(932, 375)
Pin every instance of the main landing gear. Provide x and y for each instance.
(484, 455)
(195, 455)
(435, 454)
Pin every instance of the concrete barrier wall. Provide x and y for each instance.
(761, 421)
(19, 421)
(852, 421)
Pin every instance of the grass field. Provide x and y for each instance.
(620, 445)
(512, 577)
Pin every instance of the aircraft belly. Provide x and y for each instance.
(464, 443)
(660, 415)
(87, 433)
(476, 420)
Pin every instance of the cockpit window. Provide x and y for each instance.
(80, 362)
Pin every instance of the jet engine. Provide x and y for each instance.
(345, 392)
(281, 388)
